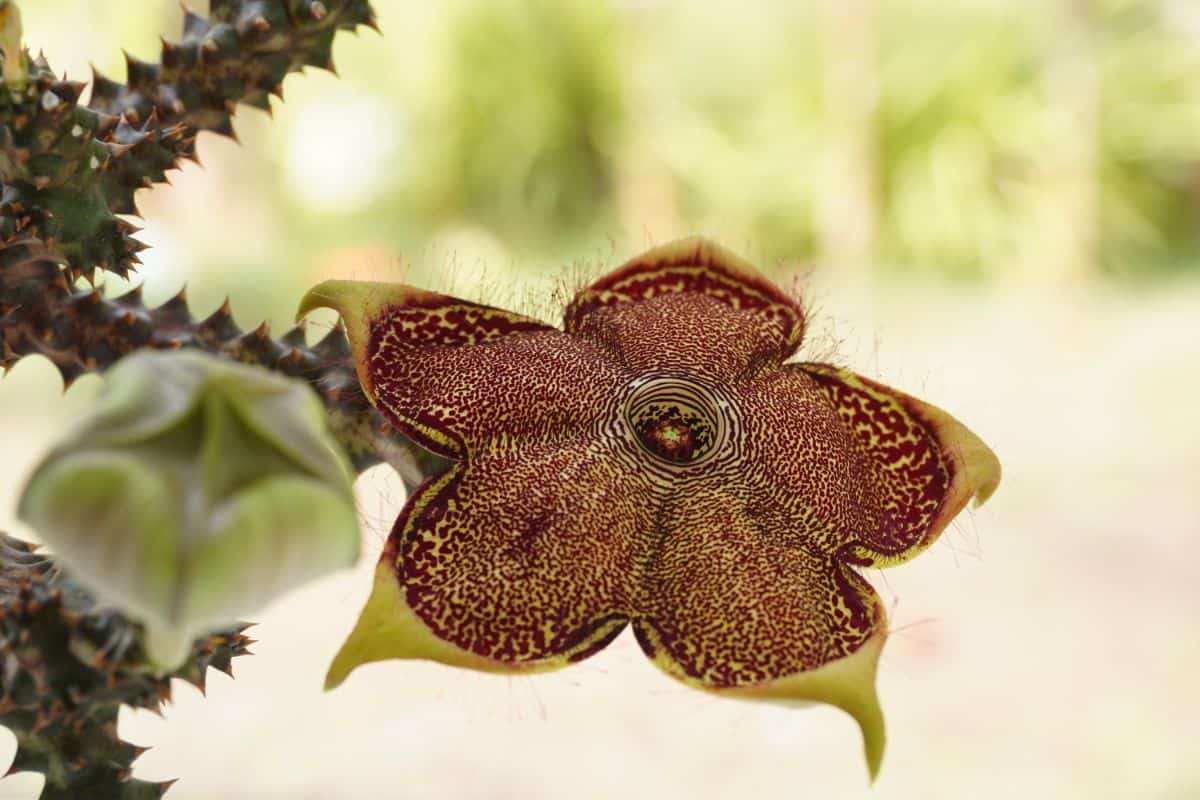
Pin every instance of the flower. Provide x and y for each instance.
(197, 491)
(655, 463)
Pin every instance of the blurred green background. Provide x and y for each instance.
(993, 204)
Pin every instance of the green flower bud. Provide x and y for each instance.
(198, 491)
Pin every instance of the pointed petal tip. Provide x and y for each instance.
(353, 300)
(324, 295)
(378, 633)
(847, 683)
(979, 467)
(388, 629)
(987, 472)
(358, 304)
(340, 668)
(356, 301)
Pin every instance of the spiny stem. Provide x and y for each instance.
(83, 331)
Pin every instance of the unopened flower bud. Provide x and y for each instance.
(198, 491)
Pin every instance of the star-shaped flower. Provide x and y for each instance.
(655, 463)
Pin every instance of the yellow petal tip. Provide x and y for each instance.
(847, 683)
(375, 634)
(343, 664)
(327, 294)
(985, 467)
(388, 629)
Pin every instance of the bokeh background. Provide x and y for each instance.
(993, 204)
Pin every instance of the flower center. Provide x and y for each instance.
(675, 419)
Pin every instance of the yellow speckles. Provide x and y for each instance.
(656, 463)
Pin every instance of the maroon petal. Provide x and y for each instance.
(688, 307)
(734, 600)
(509, 562)
(875, 473)
(456, 376)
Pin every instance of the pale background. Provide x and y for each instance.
(992, 205)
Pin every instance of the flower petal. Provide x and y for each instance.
(689, 306)
(513, 562)
(799, 460)
(920, 466)
(847, 683)
(735, 602)
(452, 374)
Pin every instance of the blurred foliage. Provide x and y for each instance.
(521, 134)
(523, 139)
(959, 126)
(545, 127)
(737, 121)
(1150, 135)
(965, 120)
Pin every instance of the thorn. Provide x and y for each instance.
(263, 331)
(133, 297)
(294, 337)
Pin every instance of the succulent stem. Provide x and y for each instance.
(67, 665)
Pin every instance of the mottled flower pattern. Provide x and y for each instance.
(658, 463)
